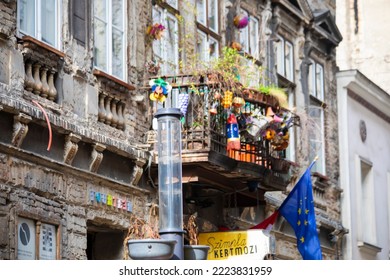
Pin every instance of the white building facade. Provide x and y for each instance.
(364, 135)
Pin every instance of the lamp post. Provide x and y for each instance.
(169, 177)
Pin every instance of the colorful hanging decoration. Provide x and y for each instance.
(227, 99)
(238, 102)
(160, 90)
(213, 110)
(257, 123)
(155, 31)
(232, 133)
(183, 103)
(241, 21)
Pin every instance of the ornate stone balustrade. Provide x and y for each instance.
(41, 68)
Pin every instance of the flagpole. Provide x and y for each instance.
(310, 166)
(300, 177)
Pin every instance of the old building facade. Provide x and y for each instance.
(76, 141)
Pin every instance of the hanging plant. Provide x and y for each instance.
(241, 21)
(155, 31)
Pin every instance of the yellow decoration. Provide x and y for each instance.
(227, 99)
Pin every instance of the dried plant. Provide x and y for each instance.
(142, 229)
(192, 229)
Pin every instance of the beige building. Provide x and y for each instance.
(77, 155)
(364, 47)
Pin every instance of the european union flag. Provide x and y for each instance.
(298, 210)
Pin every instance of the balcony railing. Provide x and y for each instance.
(204, 123)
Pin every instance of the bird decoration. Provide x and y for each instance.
(160, 90)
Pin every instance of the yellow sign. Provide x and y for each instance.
(248, 244)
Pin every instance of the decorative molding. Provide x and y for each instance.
(137, 173)
(369, 106)
(71, 147)
(96, 157)
(368, 248)
(20, 129)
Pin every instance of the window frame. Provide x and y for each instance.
(319, 167)
(166, 15)
(366, 198)
(312, 80)
(206, 15)
(38, 23)
(210, 34)
(280, 53)
(249, 39)
(109, 46)
(38, 235)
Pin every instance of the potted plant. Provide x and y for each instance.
(143, 240)
(194, 251)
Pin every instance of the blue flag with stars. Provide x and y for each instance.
(298, 210)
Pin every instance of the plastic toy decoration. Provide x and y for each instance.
(227, 99)
(160, 90)
(232, 133)
(241, 21)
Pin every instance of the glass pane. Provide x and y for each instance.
(316, 137)
(117, 53)
(27, 17)
(172, 3)
(311, 78)
(319, 82)
(213, 48)
(117, 13)
(171, 46)
(254, 37)
(288, 54)
(100, 7)
(279, 57)
(201, 46)
(244, 35)
(48, 21)
(100, 49)
(201, 11)
(157, 15)
(213, 15)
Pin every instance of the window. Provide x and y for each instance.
(316, 112)
(109, 37)
(367, 232)
(166, 50)
(316, 80)
(316, 137)
(207, 44)
(249, 36)
(206, 47)
(40, 19)
(207, 13)
(285, 59)
(290, 151)
(29, 232)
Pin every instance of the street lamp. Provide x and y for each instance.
(170, 177)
